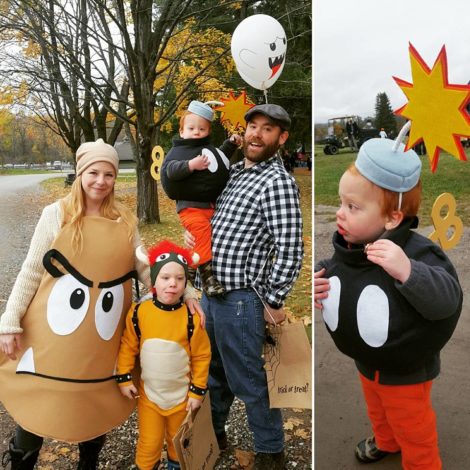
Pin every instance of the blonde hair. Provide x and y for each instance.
(411, 200)
(74, 209)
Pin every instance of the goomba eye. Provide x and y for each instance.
(163, 257)
(182, 259)
(108, 311)
(272, 46)
(67, 305)
(107, 302)
(77, 298)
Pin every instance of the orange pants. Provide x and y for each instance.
(198, 222)
(155, 427)
(403, 419)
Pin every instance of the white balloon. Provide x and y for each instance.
(259, 46)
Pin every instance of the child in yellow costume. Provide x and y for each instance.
(174, 357)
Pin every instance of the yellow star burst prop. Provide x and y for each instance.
(234, 109)
(435, 108)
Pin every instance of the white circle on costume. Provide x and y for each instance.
(213, 165)
(224, 158)
(67, 305)
(373, 316)
(108, 310)
(331, 304)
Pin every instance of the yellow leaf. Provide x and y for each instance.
(301, 433)
(292, 422)
(48, 457)
(246, 459)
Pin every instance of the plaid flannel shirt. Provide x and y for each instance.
(257, 231)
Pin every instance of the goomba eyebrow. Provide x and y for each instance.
(119, 280)
(54, 271)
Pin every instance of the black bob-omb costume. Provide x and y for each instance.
(180, 183)
(394, 328)
(384, 325)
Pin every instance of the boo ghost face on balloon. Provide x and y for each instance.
(259, 46)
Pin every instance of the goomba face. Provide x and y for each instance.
(72, 337)
(62, 384)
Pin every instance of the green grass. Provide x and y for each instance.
(451, 176)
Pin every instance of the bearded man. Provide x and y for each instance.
(257, 251)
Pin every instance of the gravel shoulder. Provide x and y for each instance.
(340, 415)
(18, 217)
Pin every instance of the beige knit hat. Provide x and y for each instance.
(91, 152)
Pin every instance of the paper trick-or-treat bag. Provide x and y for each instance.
(288, 364)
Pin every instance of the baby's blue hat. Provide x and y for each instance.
(397, 171)
(201, 109)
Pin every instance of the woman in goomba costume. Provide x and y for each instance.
(64, 318)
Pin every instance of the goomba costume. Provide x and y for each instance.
(62, 384)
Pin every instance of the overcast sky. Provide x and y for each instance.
(359, 45)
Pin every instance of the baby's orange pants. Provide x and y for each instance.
(403, 419)
(198, 222)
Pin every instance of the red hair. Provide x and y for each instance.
(411, 200)
(166, 246)
(185, 113)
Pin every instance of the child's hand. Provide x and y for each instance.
(236, 139)
(201, 162)
(9, 343)
(189, 240)
(193, 404)
(321, 287)
(129, 391)
(391, 258)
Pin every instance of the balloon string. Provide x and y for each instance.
(266, 95)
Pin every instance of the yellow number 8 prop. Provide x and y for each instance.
(443, 224)
(157, 159)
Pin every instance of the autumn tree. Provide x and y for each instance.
(167, 59)
(46, 52)
(140, 61)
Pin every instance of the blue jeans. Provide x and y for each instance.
(236, 328)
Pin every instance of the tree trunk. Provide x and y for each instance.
(147, 195)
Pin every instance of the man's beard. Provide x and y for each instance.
(267, 152)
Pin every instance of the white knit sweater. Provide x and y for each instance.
(31, 272)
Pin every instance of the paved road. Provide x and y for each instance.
(13, 184)
(19, 212)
